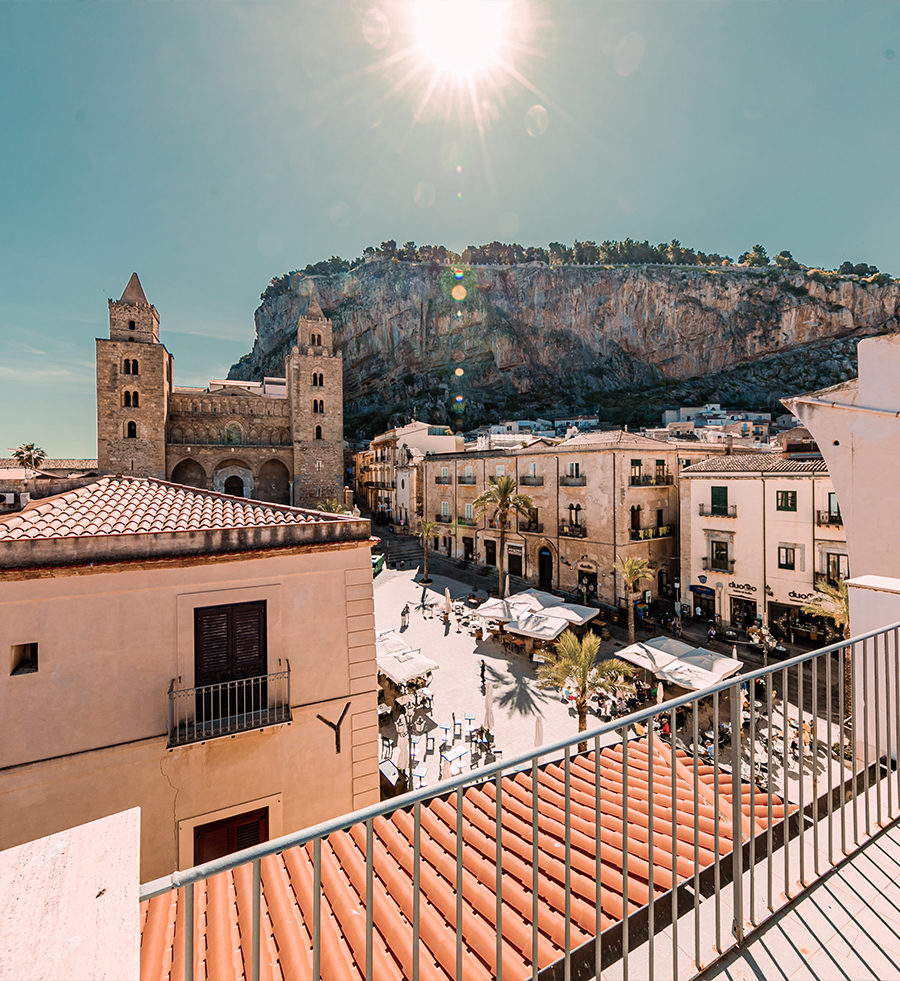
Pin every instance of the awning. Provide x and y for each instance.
(396, 661)
(672, 660)
(530, 601)
(538, 626)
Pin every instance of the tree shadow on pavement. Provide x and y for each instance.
(519, 691)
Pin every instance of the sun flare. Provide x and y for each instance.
(461, 36)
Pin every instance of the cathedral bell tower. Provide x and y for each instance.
(134, 380)
(316, 390)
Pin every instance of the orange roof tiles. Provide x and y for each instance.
(223, 903)
(142, 505)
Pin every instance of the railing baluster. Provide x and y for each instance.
(785, 736)
(856, 726)
(695, 739)
(317, 910)
(370, 869)
(625, 853)
(800, 734)
(652, 854)
(674, 790)
(255, 921)
(864, 728)
(814, 763)
(842, 716)
(751, 705)
(189, 931)
(897, 711)
(888, 736)
(598, 895)
(535, 879)
(716, 857)
(459, 880)
(829, 756)
(737, 841)
(876, 690)
(417, 843)
(567, 844)
(769, 795)
(499, 877)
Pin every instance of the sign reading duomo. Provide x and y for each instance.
(278, 440)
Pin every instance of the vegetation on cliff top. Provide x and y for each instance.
(609, 253)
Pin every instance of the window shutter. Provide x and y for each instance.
(249, 636)
(211, 638)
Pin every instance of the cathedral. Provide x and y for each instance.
(278, 440)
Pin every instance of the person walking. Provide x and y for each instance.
(404, 617)
(483, 669)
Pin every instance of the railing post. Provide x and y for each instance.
(737, 837)
(170, 710)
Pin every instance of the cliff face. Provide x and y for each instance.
(560, 337)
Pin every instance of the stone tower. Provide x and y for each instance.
(134, 379)
(316, 390)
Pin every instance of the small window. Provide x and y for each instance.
(786, 558)
(838, 566)
(126, 400)
(315, 380)
(23, 659)
(233, 434)
(318, 466)
(127, 368)
(574, 469)
(786, 500)
(134, 367)
(720, 556)
(131, 431)
(131, 325)
(318, 432)
(469, 472)
(445, 509)
(468, 512)
(445, 472)
(135, 400)
(718, 500)
(500, 470)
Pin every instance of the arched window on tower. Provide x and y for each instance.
(315, 380)
(321, 381)
(131, 431)
(315, 339)
(135, 400)
(134, 367)
(131, 325)
(126, 400)
(233, 433)
(127, 369)
(318, 432)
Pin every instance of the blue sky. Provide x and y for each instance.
(211, 146)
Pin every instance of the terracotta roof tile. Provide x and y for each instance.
(223, 904)
(755, 463)
(143, 505)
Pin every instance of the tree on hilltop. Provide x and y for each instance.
(757, 256)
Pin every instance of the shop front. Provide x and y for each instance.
(743, 607)
(514, 560)
(703, 602)
(789, 622)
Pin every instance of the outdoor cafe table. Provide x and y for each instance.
(454, 757)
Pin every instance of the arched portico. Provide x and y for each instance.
(543, 561)
(233, 468)
(190, 473)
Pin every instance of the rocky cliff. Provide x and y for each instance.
(461, 347)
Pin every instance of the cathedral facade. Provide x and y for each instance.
(278, 440)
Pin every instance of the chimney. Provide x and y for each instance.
(729, 445)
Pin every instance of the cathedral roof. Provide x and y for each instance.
(134, 292)
(314, 311)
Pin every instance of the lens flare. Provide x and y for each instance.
(459, 293)
(459, 373)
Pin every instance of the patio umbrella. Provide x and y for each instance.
(402, 763)
(489, 706)
(538, 730)
(448, 603)
(507, 585)
(445, 770)
(659, 693)
(734, 651)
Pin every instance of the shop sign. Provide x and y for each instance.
(514, 550)
(743, 587)
(701, 579)
(703, 590)
(801, 596)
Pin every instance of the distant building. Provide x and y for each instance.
(278, 440)
(207, 659)
(759, 532)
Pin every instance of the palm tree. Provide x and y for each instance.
(632, 572)
(502, 501)
(29, 455)
(576, 668)
(425, 532)
(833, 601)
(331, 505)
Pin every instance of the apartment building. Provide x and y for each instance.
(597, 498)
(206, 658)
(375, 469)
(758, 533)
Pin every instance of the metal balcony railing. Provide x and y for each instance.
(443, 519)
(719, 565)
(642, 534)
(465, 480)
(828, 518)
(532, 527)
(568, 481)
(443, 480)
(573, 531)
(213, 711)
(467, 522)
(650, 479)
(531, 480)
(718, 511)
(808, 760)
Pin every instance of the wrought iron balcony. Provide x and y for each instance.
(641, 534)
(829, 518)
(443, 519)
(650, 479)
(214, 711)
(566, 480)
(443, 480)
(718, 511)
(465, 480)
(467, 522)
(531, 527)
(573, 531)
(719, 565)
(531, 480)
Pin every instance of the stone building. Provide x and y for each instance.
(597, 498)
(278, 440)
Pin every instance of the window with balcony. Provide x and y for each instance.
(838, 566)
(718, 500)
(635, 469)
(469, 514)
(660, 469)
(719, 559)
(786, 557)
(445, 509)
(786, 500)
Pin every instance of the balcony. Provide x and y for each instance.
(838, 815)
(381, 484)
(719, 565)
(443, 519)
(829, 519)
(464, 480)
(717, 511)
(531, 527)
(467, 522)
(568, 481)
(443, 480)
(214, 711)
(573, 531)
(642, 534)
(650, 479)
(531, 481)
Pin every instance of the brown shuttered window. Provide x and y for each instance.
(229, 642)
(220, 838)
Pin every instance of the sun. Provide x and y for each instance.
(461, 36)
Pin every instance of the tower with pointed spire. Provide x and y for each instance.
(134, 378)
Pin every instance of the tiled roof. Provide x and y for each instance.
(614, 437)
(6, 462)
(142, 505)
(755, 463)
(223, 903)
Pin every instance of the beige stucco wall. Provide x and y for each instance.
(85, 735)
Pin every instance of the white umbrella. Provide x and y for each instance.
(659, 693)
(448, 603)
(402, 763)
(507, 585)
(734, 651)
(489, 706)
(538, 730)
(445, 770)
